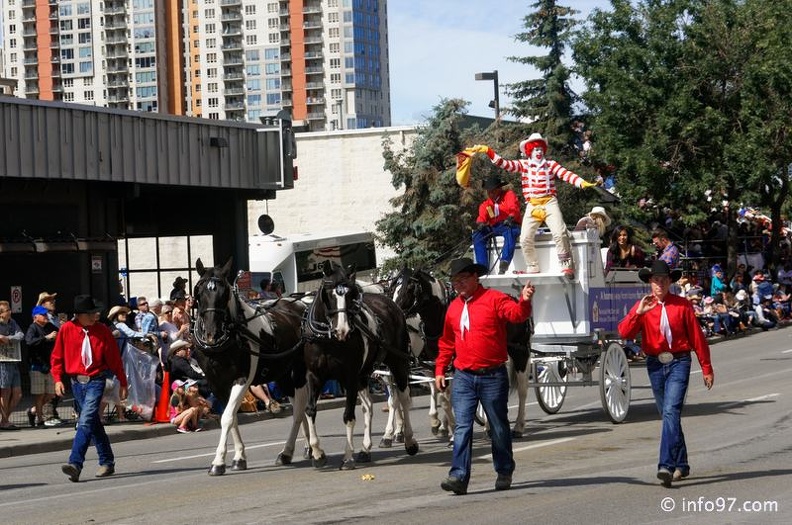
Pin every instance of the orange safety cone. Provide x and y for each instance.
(161, 415)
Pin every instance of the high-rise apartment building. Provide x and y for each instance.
(326, 61)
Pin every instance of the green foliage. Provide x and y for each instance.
(689, 96)
(546, 101)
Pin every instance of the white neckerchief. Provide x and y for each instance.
(665, 326)
(87, 355)
(464, 319)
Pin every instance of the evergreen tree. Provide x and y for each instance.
(547, 101)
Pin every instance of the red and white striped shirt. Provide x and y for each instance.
(538, 180)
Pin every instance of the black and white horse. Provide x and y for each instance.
(424, 300)
(347, 333)
(237, 344)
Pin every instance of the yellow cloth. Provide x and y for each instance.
(538, 211)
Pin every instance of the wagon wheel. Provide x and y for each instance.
(615, 382)
(480, 417)
(550, 398)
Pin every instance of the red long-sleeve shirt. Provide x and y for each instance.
(508, 206)
(67, 354)
(686, 333)
(484, 344)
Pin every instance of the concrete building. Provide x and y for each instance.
(342, 183)
(324, 60)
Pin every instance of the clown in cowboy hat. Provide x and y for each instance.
(538, 176)
(498, 215)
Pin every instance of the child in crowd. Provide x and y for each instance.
(185, 417)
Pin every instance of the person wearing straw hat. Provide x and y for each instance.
(474, 338)
(669, 332)
(86, 351)
(596, 219)
(538, 175)
(499, 215)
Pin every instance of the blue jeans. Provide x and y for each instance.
(481, 238)
(669, 385)
(87, 397)
(492, 391)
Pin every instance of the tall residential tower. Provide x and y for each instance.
(326, 61)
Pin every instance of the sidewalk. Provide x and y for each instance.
(37, 440)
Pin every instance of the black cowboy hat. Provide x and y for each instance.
(493, 181)
(85, 304)
(466, 265)
(659, 268)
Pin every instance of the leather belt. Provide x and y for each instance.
(483, 371)
(82, 379)
(667, 357)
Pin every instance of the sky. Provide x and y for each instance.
(437, 46)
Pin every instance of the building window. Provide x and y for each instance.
(250, 40)
(250, 25)
(89, 95)
(250, 9)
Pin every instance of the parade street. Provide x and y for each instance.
(572, 467)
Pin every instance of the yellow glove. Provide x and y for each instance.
(587, 184)
(478, 148)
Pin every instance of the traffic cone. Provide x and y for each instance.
(163, 407)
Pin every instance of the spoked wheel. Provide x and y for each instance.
(615, 382)
(550, 398)
(480, 417)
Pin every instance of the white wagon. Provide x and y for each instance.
(575, 323)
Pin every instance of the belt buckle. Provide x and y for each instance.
(665, 357)
(83, 379)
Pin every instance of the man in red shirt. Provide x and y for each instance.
(474, 337)
(87, 352)
(669, 332)
(499, 215)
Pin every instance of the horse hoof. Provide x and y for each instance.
(399, 437)
(412, 449)
(435, 430)
(443, 432)
(347, 464)
(283, 459)
(239, 464)
(307, 453)
(363, 457)
(386, 443)
(517, 434)
(319, 462)
(217, 470)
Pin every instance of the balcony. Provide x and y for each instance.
(316, 116)
(230, 2)
(313, 101)
(231, 16)
(233, 60)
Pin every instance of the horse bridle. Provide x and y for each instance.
(323, 329)
(199, 331)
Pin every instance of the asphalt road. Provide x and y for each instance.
(573, 467)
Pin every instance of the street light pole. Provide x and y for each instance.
(495, 104)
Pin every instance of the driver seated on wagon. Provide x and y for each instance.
(498, 215)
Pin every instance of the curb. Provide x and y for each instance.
(120, 432)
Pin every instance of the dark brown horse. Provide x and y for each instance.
(347, 333)
(238, 344)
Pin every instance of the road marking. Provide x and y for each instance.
(753, 399)
(535, 445)
(787, 351)
(182, 458)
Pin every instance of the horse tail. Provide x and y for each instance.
(512, 376)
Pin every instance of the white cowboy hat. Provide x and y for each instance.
(599, 210)
(534, 140)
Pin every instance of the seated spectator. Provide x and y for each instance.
(717, 284)
(742, 305)
(781, 302)
(184, 367)
(261, 392)
(121, 330)
(785, 274)
(197, 401)
(185, 417)
(765, 314)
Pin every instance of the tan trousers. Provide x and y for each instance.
(547, 211)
